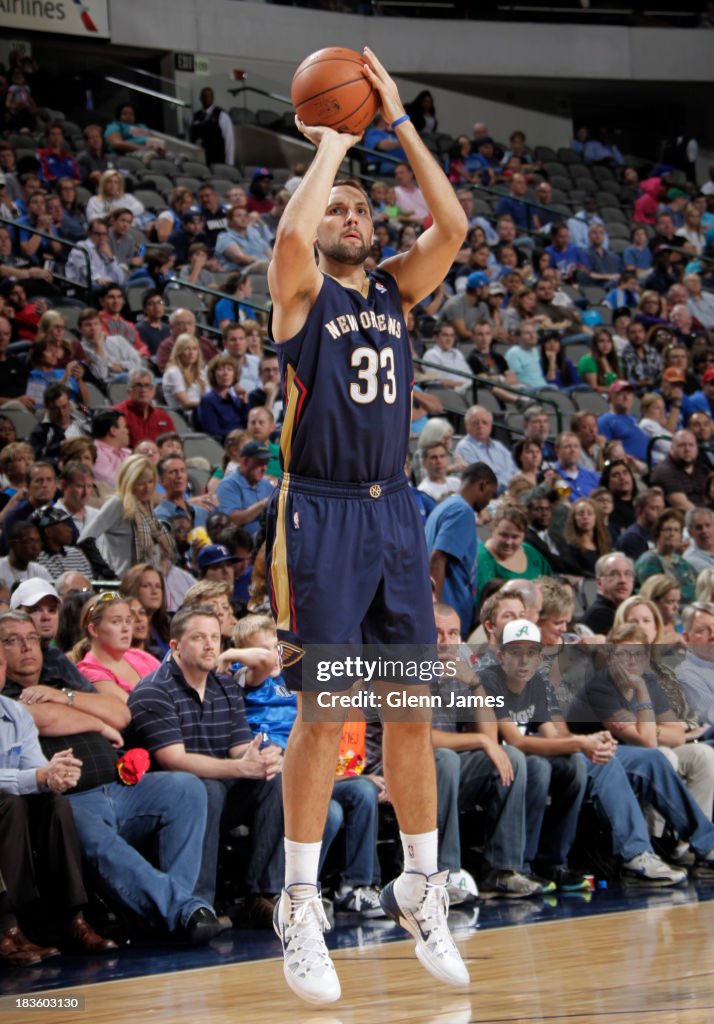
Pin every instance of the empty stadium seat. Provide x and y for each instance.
(203, 446)
(163, 166)
(187, 181)
(132, 164)
(593, 401)
(617, 230)
(151, 199)
(225, 171)
(195, 169)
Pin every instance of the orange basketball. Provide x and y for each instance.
(331, 89)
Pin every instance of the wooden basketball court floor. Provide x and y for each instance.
(654, 964)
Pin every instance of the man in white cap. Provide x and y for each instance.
(554, 771)
(42, 603)
(60, 680)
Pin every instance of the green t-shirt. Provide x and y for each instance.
(587, 364)
(488, 568)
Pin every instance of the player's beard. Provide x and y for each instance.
(352, 255)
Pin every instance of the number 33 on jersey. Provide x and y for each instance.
(347, 377)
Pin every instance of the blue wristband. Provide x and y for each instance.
(400, 120)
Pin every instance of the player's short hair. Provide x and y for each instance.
(351, 183)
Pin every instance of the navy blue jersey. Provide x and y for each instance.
(347, 380)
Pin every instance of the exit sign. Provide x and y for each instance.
(184, 62)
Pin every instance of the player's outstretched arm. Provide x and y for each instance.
(293, 275)
(422, 269)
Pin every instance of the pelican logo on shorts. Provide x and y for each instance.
(375, 491)
(523, 631)
(289, 654)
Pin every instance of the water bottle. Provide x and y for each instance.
(265, 740)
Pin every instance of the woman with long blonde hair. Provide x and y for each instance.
(126, 522)
(184, 382)
(111, 196)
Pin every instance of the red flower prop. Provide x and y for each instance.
(133, 765)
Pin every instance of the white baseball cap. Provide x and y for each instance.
(31, 592)
(520, 631)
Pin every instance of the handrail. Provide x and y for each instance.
(178, 283)
(261, 92)
(474, 378)
(54, 238)
(145, 91)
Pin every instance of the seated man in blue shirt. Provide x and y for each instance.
(451, 540)
(34, 247)
(567, 259)
(603, 267)
(524, 215)
(581, 481)
(619, 425)
(382, 138)
(39, 847)
(244, 495)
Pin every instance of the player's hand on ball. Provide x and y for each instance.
(392, 106)
(316, 133)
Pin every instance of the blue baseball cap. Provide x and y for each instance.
(214, 554)
(477, 280)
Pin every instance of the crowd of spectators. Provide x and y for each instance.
(560, 453)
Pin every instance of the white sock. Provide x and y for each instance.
(421, 852)
(301, 862)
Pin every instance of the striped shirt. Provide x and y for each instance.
(165, 711)
(69, 559)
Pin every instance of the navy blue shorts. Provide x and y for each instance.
(347, 564)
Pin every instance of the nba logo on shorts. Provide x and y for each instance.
(296, 520)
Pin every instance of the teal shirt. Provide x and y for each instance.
(488, 568)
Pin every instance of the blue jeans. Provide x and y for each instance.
(551, 823)
(654, 779)
(615, 803)
(472, 776)
(256, 802)
(167, 809)
(354, 807)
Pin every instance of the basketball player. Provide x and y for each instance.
(348, 557)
